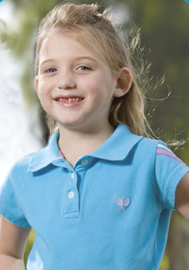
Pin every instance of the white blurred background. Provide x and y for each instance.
(16, 121)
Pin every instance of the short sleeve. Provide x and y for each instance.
(9, 202)
(169, 170)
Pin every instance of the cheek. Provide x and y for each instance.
(94, 90)
(43, 94)
(89, 86)
(43, 87)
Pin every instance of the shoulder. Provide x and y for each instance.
(156, 151)
(39, 159)
(22, 164)
(148, 145)
(16, 176)
(126, 142)
(20, 172)
(159, 149)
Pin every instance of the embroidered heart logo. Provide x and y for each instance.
(123, 203)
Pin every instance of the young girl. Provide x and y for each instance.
(100, 195)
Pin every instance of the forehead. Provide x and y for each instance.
(56, 43)
(68, 44)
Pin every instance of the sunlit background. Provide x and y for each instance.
(17, 136)
(164, 27)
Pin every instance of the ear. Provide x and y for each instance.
(36, 83)
(124, 82)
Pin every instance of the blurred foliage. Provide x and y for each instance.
(165, 263)
(30, 241)
(178, 243)
(164, 34)
(164, 31)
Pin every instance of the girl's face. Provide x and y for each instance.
(73, 86)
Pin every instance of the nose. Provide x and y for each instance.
(66, 81)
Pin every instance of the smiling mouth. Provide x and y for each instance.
(69, 100)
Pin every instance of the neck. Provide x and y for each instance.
(75, 144)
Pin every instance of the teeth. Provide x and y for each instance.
(70, 100)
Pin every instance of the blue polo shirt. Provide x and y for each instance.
(110, 211)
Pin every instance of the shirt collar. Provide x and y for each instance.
(117, 147)
(45, 156)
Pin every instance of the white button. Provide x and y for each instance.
(72, 175)
(84, 161)
(70, 194)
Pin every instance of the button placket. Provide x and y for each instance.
(71, 197)
(84, 161)
(75, 180)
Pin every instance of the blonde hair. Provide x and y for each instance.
(95, 30)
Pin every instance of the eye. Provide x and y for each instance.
(50, 70)
(83, 68)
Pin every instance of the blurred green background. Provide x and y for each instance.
(164, 28)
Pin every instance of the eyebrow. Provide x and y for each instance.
(75, 59)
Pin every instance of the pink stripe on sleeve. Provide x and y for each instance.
(166, 153)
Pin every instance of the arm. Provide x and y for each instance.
(12, 245)
(182, 196)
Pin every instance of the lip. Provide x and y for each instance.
(66, 96)
(63, 100)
